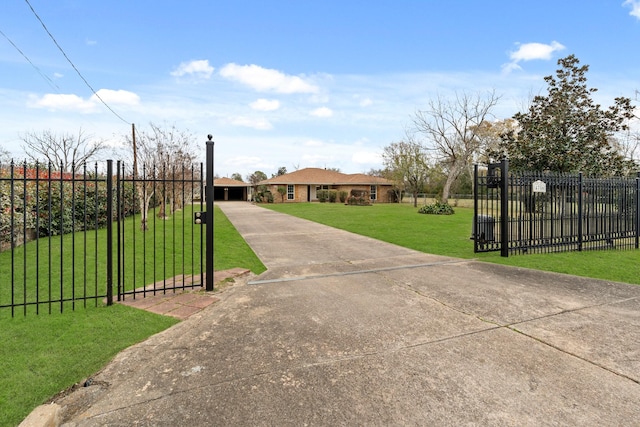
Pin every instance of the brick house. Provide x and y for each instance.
(303, 185)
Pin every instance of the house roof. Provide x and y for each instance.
(327, 177)
(228, 182)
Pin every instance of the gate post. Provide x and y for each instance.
(504, 208)
(109, 232)
(638, 211)
(209, 192)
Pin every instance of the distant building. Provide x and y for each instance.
(231, 189)
(303, 185)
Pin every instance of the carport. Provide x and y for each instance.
(230, 189)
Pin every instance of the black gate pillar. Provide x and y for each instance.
(209, 192)
(504, 208)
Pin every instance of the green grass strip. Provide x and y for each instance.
(41, 355)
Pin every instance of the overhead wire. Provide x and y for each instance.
(44, 76)
(72, 64)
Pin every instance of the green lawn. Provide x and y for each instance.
(43, 354)
(450, 235)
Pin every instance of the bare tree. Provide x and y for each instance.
(5, 157)
(164, 155)
(407, 163)
(64, 151)
(627, 144)
(451, 127)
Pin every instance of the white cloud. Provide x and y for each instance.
(313, 143)
(317, 159)
(366, 102)
(66, 102)
(322, 112)
(90, 42)
(122, 97)
(530, 52)
(198, 68)
(635, 7)
(258, 123)
(265, 104)
(244, 161)
(265, 79)
(366, 158)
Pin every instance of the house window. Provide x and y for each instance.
(373, 192)
(290, 192)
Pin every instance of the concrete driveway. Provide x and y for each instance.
(347, 330)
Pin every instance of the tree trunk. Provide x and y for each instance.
(453, 174)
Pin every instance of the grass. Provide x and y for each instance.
(41, 355)
(450, 235)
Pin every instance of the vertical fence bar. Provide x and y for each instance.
(73, 236)
(119, 254)
(12, 196)
(24, 236)
(504, 208)
(474, 229)
(202, 195)
(209, 200)
(95, 233)
(109, 232)
(37, 225)
(84, 233)
(61, 231)
(580, 212)
(638, 211)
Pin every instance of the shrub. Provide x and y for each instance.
(322, 195)
(438, 208)
(333, 195)
(343, 196)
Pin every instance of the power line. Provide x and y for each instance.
(45, 77)
(72, 64)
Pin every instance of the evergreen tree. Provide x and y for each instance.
(565, 131)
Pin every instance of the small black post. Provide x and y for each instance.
(580, 212)
(109, 232)
(504, 208)
(210, 222)
(638, 211)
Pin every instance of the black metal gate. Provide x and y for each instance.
(102, 233)
(546, 212)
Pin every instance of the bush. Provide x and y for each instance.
(343, 196)
(333, 196)
(438, 208)
(323, 195)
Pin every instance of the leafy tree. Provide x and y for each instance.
(565, 131)
(236, 176)
(64, 151)
(281, 171)
(256, 177)
(408, 165)
(451, 130)
(376, 172)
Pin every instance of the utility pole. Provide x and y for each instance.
(135, 150)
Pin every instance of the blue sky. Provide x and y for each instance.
(293, 83)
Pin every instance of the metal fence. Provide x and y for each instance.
(545, 212)
(97, 234)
